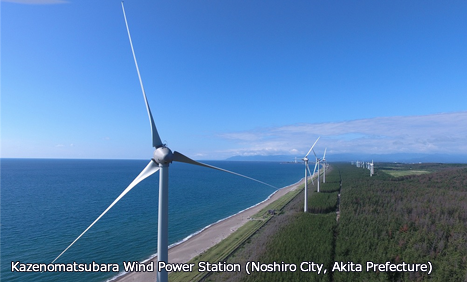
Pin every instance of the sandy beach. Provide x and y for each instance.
(207, 238)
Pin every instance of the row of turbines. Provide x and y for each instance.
(307, 169)
(160, 161)
(367, 165)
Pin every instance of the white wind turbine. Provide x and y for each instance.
(317, 165)
(324, 162)
(305, 159)
(160, 161)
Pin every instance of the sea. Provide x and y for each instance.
(47, 203)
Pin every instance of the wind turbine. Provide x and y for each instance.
(305, 160)
(324, 161)
(317, 164)
(160, 161)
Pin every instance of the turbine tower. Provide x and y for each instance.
(317, 164)
(305, 160)
(162, 157)
(324, 162)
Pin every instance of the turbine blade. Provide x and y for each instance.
(179, 157)
(312, 147)
(311, 174)
(314, 170)
(150, 169)
(324, 156)
(156, 140)
(315, 155)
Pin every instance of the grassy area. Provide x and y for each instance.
(226, 247)
(279, 204)
(403, 169)
(397, 173)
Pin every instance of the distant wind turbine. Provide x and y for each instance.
(305, 160)
(160, 161)
(317, 165)
(324, 162)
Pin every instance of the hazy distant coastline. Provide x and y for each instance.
(399, 157)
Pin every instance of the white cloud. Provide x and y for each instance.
(437, 133)
(62, 146)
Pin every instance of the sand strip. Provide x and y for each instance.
(207, 238)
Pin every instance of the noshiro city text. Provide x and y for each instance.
(203, 266)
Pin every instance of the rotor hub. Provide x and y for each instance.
(163, 155)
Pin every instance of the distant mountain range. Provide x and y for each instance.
(400, 157)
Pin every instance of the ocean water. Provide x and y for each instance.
(47, 203)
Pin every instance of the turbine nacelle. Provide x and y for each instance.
(163, 155)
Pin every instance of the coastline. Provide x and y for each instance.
(199, 242)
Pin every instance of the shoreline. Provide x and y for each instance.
(200, 241)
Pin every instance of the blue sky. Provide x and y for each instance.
(227, 78)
